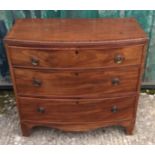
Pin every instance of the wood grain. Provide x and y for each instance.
(76, 111)
(74, 58)
(58, 32)
(76, 83)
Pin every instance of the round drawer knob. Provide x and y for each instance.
(34, 61)
(41, 109)
(118, 59)
(114, 109)
(115, 81)
(36, 82)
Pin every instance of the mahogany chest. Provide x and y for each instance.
(76, 74)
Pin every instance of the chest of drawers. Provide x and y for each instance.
(76, 74)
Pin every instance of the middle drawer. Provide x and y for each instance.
(71, 83)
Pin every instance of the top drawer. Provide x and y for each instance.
(75, 58)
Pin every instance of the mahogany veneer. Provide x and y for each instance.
(76, 74)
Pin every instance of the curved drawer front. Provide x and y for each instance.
(72, 58)
(86, 83)
(107, 110)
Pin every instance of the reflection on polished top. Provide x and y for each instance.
(76, 30)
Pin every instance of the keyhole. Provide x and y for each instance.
(77, 102)
(77, 74)
(76, 52)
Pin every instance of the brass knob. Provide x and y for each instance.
(41, 109)
(115, 81)
(119, 59)
(36, 82)
(114, 109)
(34, 61)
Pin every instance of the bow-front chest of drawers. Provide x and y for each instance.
(76, 74)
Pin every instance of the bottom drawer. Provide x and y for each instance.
(72, 110)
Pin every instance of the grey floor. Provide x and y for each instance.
(144, 131)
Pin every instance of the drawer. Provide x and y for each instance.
(73, 83)
(79, 58)
(60, 110)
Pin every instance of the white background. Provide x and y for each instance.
(77, 4)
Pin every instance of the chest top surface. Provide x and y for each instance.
(47, 31)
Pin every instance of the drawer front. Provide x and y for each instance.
(69, 58)
(77, 110)
(75, 83)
